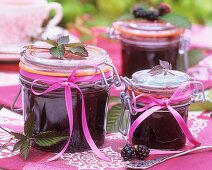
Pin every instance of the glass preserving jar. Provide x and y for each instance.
(89, 80)
(155, 96)
(144, 43)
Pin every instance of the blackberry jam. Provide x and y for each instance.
(153, 96)
(136, 58)
(144, 43)
(160, 130)
(51, 115)
(39, 71)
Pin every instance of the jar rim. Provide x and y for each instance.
(171, 80)
(146, 29)
(79, 73)
(39, 60)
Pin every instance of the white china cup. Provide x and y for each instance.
(22, 19)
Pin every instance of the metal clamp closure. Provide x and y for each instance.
(125, 109)
(184, 50)
(116, 78)
(112, 33)
(128, 82)
(105, 83)
(198, 94)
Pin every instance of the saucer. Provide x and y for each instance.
(9, 57)
(10, 52)
(10, 49)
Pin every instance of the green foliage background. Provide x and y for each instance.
(106, 11)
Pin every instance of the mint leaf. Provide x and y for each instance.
(48, 138)
(165, 64)
(158, 69)
(17, 145)
(24, 149)
(58, 51)
(29, 125)
(52, 42)
(63, 40)
(81, 51)
(176, 20)
(18, 135)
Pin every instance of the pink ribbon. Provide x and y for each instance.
(68, 84)
(153, 105)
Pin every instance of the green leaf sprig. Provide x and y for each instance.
(26, 138)
(176, 20)
(113, 114)
(61, 46)
(163, 13)
(162, 68)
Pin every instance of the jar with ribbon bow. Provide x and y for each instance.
(144, 43)
(68, 95)
(157, 108)
(149, 35)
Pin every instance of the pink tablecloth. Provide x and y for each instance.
(199, 123)
(9, 87)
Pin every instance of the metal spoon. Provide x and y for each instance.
(149, 163)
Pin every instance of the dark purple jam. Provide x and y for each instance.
(51, 115)
(160, 130)
(135, 58)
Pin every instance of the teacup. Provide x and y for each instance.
(22, 20)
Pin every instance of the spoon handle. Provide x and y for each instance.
(149, 163)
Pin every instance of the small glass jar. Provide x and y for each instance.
(159, 130)
(144, 43)
(50, 108)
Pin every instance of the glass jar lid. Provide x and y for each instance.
(39, 60)
(143, 28)
(172, 79)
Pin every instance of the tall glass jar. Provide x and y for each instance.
(91, 78)
(144, 43)
(161, 93)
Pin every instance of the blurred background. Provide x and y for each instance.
(104, 12)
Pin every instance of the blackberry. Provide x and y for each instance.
(128, 152)
(152, 15)
(142, 151)
(164, 9)
(139, 12)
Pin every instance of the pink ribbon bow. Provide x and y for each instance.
(154, 105)
(68, 84)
